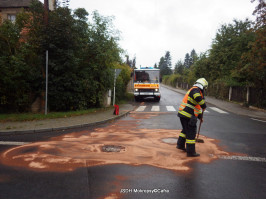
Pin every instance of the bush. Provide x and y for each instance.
(122, 81)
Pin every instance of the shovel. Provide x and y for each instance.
(200, 140)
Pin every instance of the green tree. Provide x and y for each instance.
(230, 43)
(202, 67)
(165, 64)
(252, 66)
(64, 49)
(20, 73)
(179, 67)
(131, 63)
(122, 80)
(187, 61)
(102, 51)
(193, 57)
(82, 55)
(134, 63)
(82, 60)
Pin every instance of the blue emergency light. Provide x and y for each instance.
(146, 68)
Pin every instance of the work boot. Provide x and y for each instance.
(191, 151)
(193, 154)
(181, 148)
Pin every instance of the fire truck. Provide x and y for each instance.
(147, 83)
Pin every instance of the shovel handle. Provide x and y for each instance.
(200, 125)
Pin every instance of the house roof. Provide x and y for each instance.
(14, 3)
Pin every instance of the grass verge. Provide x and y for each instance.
(129, 97)
(52, 115)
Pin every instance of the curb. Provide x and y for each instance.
(10, 133)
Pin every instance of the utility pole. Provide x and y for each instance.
(114, 89)
(116, 73)
(46, 83)
(46, 11)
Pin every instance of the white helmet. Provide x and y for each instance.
(202, 82)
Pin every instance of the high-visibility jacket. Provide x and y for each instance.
(192, 104)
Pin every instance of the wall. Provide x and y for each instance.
(5, 11)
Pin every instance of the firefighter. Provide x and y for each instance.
(189, 110)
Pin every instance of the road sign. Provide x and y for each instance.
(117, 72)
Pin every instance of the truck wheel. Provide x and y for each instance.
(137, 99)
(157, 99)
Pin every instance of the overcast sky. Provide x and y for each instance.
(149, 28)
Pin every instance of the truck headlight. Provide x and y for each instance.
(156, 90)
(136, 90)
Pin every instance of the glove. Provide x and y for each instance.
(200, 116)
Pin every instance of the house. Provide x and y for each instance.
(10, 8)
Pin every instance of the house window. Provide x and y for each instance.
(11, 17)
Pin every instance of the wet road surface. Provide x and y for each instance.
(74, 164)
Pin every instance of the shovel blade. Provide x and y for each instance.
(200, 140)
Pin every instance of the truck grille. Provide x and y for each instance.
(146, 90)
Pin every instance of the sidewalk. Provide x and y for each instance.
(8, 128)
(228, 106)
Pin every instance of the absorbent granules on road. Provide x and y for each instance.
(137, 146)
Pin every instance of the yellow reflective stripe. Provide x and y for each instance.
(188, 105)
(196, 112)
(201, 102)
(185, 114)
(190, 141)
(182, 105)
(196, 95)
(192, 100)
(182, 135)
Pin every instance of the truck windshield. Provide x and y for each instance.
(147, 76)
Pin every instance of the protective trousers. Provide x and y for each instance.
(188, 134)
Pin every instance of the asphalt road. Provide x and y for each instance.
(239, 174)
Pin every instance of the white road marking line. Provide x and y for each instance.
(206, 111)
(141, 108)
(170, 108)
(13, 143)
(258, 120)
(218, 110)
(155, 108)
(245, 158)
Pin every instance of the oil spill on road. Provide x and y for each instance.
(5, 178)
(85, 148)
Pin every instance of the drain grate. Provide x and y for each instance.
(112, 148)
(170, 140)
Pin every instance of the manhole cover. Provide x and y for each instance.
(112, 148)
(170, 140)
